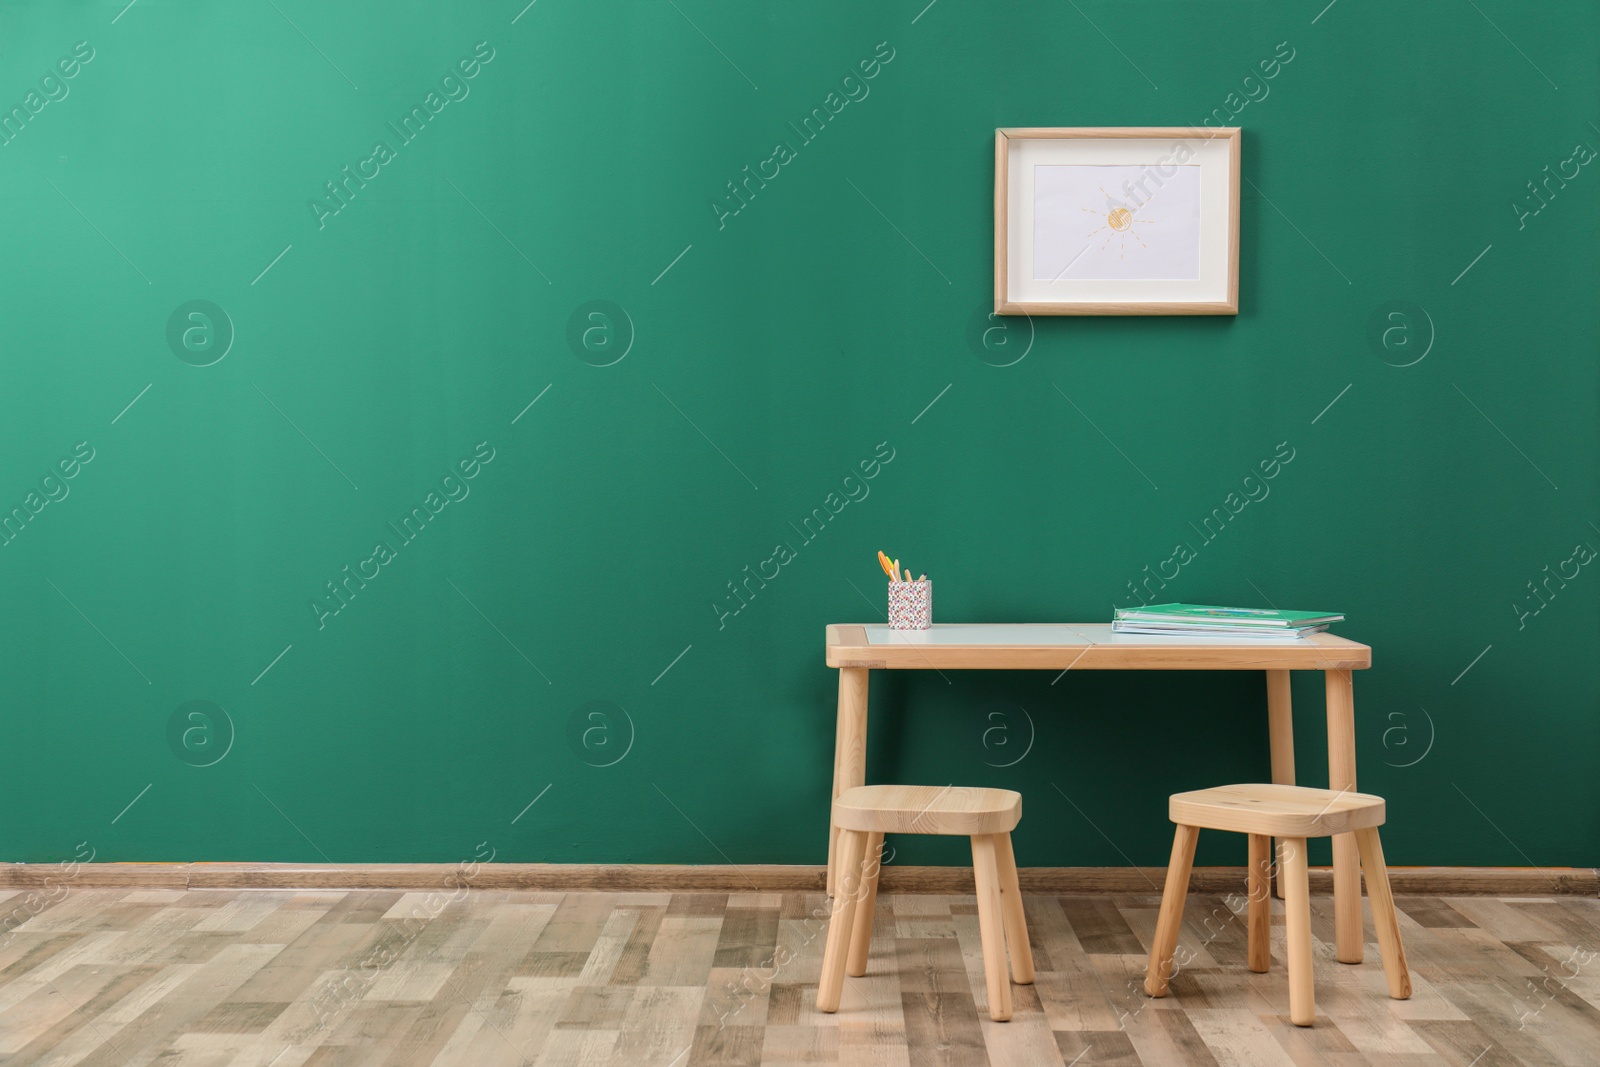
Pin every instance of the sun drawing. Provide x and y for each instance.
(1118, 223)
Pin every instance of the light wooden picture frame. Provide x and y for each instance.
(1119, 220)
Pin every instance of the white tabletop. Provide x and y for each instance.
(1052, 633)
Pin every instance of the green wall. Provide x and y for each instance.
(773, 352)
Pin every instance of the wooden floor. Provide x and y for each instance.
(111, 977)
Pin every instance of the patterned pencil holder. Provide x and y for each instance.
(910, 605)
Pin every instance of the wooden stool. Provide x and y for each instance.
(1291, 814)
(864, 814)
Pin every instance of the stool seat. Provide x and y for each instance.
(1277, 810)
(959, 811)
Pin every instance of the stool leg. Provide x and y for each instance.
(991, 925)
(1259, 889)
(1383, 915)
(1160, 970)
(861, 929)
(1297, 928)
(852, 847)
(1011, 903)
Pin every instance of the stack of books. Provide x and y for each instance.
(1206, 620)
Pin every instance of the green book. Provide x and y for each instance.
(1207, 615)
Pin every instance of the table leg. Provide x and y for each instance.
(1348, 936)
(849, 752)
(1280, 735)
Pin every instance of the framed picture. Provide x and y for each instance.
(1116, 221)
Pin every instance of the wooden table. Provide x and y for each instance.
(856, 650)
